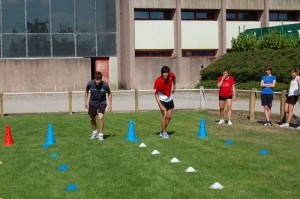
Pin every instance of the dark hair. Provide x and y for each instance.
(98, 75)
(165, 69)
(225, 69)
(268, 68)
(294, 70)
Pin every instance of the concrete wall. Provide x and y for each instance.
(284, 4)
(154, 34)
(43, 75)
(168, 4)
(201, 4)
(200, 35)
(187, 71)
(245, 4)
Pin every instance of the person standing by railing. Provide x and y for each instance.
(165, 86)
(292, 98)
(96, 104)
(226, 84)
(267, 83)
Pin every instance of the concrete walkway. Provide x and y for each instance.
(122, 102)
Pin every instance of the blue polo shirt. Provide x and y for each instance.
(268, 80)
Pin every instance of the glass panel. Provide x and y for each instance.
(38, 15)
(86, 45)
(106, 44)
(283, 16)
(39, 45)
(85, 16)
(62, 16)
(14, 45)
(273, 16)
(106, 16)
(157, 15)
(230, 15)
(141, 15)
(13, 16)
(63, 45)
(201, 15)
(187, 15)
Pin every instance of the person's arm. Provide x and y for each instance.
(162, 108)
(262, 83)
(86, 96)
(110, 102)
(174, 85)
(221, 82)
(233, 93)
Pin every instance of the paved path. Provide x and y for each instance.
(124, 102)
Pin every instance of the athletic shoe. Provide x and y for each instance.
(266, 123)
(165, 136)
(93, 136)
(270, 123)
(100, 137)
(221, 122)
(298, 128)
(160, 134)
(285, 125)
(229, 123)
(298, 120)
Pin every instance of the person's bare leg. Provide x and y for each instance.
(267, 111)
(222, 105)
(291, 113)
(229, 108)
(93, 122)
(101, 122)
(168, 117)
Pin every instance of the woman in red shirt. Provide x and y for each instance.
(226, 95)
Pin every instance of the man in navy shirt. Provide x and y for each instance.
(96, 104)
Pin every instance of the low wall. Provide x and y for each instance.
(43, 75)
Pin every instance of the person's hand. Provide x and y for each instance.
(163, 109)
(86, 105)
(234, 98)
(109, 108)
(173, 90)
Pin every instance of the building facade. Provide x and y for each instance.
(57, 45)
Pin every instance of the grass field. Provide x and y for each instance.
(116, 168)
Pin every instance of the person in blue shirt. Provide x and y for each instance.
(267, 83)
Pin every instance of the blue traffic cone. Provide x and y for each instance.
(72, 187)
(50, 136)
(131, 133)
(202, 129)
(264, 152)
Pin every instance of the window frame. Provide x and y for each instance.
(211, 15)
(167, 14)
(168, 54)
(184, 51)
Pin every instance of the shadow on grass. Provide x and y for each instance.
(105, 136)
(169, 132)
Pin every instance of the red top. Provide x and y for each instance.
(226, 88)
(165, 89)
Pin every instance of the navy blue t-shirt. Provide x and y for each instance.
(98, 92)
(268, 80)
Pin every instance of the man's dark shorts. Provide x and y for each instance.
(168, 105)
(95, 109)
(266, 100)
(224, 98)
(292, 99)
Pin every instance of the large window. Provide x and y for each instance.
(282, 16)
(199, 15)
(199, 53)
(152, 14)
(153, 53)
(237, 15)
(57, 28)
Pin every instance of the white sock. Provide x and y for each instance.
(95, 132)
(101, 134)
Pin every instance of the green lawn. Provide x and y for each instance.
(116, 168)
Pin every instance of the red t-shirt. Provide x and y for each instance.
(226, 88)
(165, 89)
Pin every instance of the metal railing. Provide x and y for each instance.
(140, 100)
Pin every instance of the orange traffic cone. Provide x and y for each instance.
(8, 141)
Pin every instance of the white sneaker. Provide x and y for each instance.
(221, 122)
(93, 136)
(165, 136)
(101, 137)
(160, 134)
(285, 125)
(229, 122)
